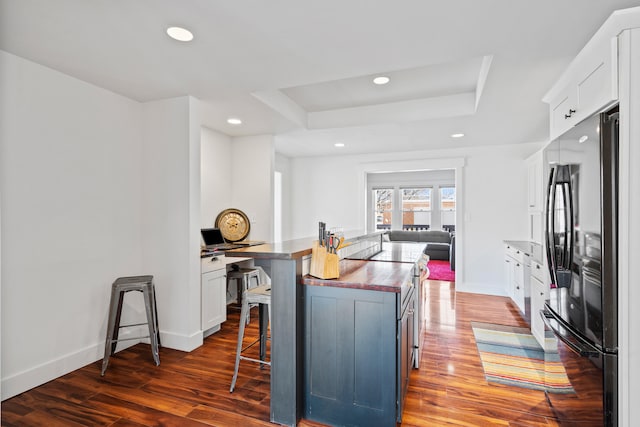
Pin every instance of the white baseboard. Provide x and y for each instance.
(482, 288)
(181, 342)
(26, 380)
(38, 375)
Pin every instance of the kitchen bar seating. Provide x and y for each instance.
(259, 295)
(119, 288)
(242, 278)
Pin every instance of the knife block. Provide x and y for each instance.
(324, 265)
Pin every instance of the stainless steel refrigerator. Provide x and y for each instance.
(581, 244)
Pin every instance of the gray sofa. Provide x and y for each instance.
(441, 245)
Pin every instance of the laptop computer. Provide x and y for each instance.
(213, 240)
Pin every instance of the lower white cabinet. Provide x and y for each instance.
(517, 277)
(539, 293)
(214, 298)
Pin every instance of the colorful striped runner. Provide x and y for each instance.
(512, 356)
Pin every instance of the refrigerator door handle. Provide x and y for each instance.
(568, 241)
(564, 333)
(550, 238)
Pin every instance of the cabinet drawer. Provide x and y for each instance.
(537, 271)
(514, 253)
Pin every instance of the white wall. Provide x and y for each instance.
(215, 185)
(71, 217)
(492, 195)
(252, 182)
(283, 165)
(171, 217)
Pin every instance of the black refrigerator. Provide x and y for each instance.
(581, 247)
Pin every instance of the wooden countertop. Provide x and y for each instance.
(368, 275)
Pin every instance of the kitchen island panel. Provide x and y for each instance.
(350, 356)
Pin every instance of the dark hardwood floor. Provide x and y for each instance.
(192, 389)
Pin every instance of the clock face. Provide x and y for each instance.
(233, 224)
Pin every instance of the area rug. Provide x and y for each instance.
(441, 270)
(512, 356)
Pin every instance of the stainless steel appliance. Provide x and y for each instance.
(581, 245)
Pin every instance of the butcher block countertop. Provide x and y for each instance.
(368, 275)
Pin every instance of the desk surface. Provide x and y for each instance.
(292, 249)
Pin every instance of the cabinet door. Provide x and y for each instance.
(214, 301)
(562, 112)
(535, 182)
(509, 264)
(405, 354)
(519, 285)
(592, 88)
(538, 296)
(597, 86)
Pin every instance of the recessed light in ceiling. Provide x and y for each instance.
(583, 139)
(457, 135)
(338, 144)
(381, 80)
(234, 121)
(180, 34)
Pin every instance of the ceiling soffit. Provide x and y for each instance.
(435, 91)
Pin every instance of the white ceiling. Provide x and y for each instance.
(301, 69)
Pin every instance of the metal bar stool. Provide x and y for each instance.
(243, 277)
(119, 288)
(260, 295)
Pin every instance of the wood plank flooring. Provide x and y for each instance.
(192, 389)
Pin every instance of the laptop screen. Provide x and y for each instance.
(212, 236)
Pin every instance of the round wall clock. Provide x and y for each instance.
(233, 224)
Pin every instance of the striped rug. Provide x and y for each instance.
(512, 356)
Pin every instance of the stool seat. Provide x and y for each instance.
(259, 295)
(243, 277)
(119, 288)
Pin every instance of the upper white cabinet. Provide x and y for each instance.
(535, 182)
(589, 86)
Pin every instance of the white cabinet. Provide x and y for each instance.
(519, 285)
(509, 264)
(536, 186)
(214, 300)
(517, 277)
(539, 293)
(591, 87)
(535, 182)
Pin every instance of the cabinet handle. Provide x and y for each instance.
(541, 294)
(517, 287)
(518, 265)
(538, 266)
(567, 116)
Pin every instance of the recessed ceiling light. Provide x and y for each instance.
(234, 121)
(381, 80)
(583, 139)
(338, 144)
(180, 34)
(457, 135)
